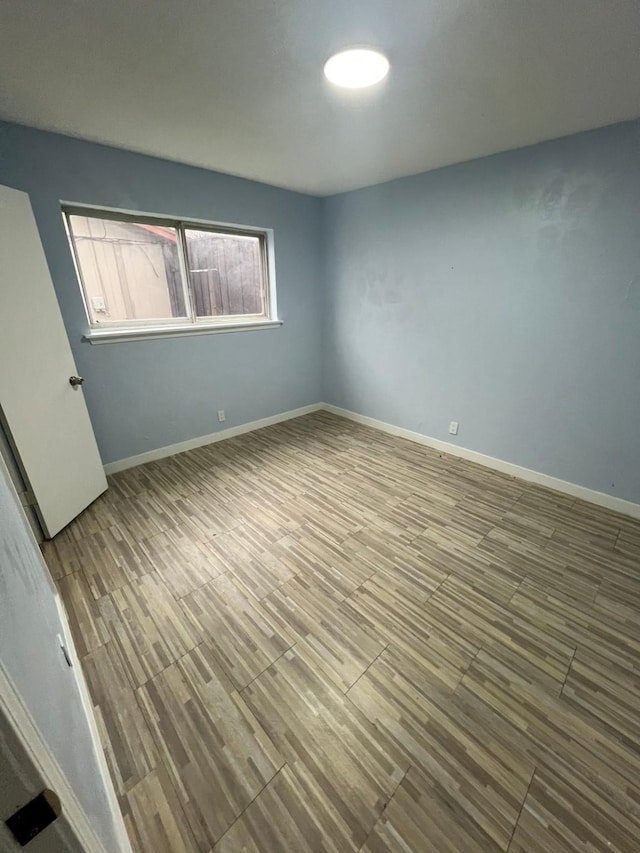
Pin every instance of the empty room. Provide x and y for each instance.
(320, 426)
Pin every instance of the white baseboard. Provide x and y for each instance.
(567, 488)
(564, 486)
(190, 444)
(87, 704)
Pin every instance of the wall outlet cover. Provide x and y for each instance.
(453, 428)
(221, 415)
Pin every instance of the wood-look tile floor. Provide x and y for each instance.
(317, 637)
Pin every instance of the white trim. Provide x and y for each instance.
(164, 217)
(40, 757)
(590, 495)
(573, 489)
(142, 333)
(190, 444)
(87, 705)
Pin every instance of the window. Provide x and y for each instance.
(146, 276)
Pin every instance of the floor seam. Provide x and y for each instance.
(516, 591)
(236, 819)
(468, 667)
(364, 672)
(268, 667)
(386, 806)
(137, 686)
(524, 800)
(566, 675)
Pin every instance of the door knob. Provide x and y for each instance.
(76, 380)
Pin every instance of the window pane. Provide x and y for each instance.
(130, 270)
(226, 273)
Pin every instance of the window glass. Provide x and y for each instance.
(129, 270)
(225, 272)
(136, 271)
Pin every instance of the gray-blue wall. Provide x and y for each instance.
(147, 394)
(502, 293)
(31, 657)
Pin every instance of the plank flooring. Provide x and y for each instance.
(318, 638)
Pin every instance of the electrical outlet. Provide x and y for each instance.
(98, 304)
(221, 415)
(453, 428)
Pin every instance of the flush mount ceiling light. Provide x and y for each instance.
(356, 68)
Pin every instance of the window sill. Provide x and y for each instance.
(142, 333)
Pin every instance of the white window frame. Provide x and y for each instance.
(135, 330)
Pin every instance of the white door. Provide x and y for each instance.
(46, 416)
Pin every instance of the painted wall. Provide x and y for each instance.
(32, 658)
(147, 394)
(502, 293)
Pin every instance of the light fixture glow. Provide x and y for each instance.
(356, 68)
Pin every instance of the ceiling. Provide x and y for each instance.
(237, 85)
